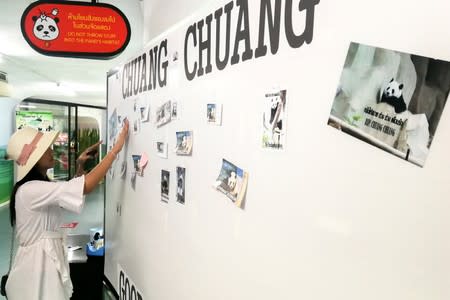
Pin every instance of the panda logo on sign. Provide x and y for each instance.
(46, 27)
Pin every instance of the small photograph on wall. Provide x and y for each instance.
(184, 143)
(181, 178)
(164, 114)
(133, 180)
(120, 119)
(161, 149)
(392, 100)
(175, 57)
(214, 113)
(135, 105)
(112, 125)
(123, 169)
(136, 126)
(174, 111)
(138, 169)
(274, 120)
(144, 113)
(232, 181)
(165, 183)
(111, 169)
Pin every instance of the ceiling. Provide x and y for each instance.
(31, 74)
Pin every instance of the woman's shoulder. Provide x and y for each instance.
(39, 186)
(36, 193)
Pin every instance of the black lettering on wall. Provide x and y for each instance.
(127, 288)
(190, 31)
(143, 81)
(273, 22)
(130, 79)
(270, 15)
(204, 45)
(124, 73)
(221, 64)
(242, 34)
(121, 283)
(294, 40)
(132, 293)
(136, 74)
(152, 72)
(162, 82)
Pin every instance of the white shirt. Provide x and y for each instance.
(40, 270)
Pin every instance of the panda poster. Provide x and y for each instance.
(274, 120)
(391, 99)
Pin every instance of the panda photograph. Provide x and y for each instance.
(229, 180)
(274, 123)
(391, 99)
(165, 183)
(181, 175)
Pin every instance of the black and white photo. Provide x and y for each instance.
(161, 149)
(181, 178)
(144, 113)
(165, 184)
(164, 114)
(274, 120)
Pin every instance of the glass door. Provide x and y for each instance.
(47, 117)
(90, 129)
(79, 126)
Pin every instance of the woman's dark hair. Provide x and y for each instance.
(34, 174)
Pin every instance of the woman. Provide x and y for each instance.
(40, 270)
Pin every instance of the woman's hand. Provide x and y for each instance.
(92, 178)
(121, 138)
(89, 153)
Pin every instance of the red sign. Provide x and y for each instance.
(69, 225)
(75, 29)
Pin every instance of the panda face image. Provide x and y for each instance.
(393, 95)
(393, 89)
(45, 28)
(274, 101)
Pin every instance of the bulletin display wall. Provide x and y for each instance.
(324, 212)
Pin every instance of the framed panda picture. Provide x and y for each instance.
(392, 100)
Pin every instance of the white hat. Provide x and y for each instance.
(26, 147)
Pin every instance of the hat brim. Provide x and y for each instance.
(46, 141)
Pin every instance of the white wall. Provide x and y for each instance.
(159, 16)
(330, 217)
